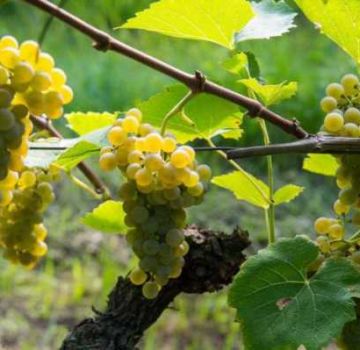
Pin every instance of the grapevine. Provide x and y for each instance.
(342, 105)
(162, 179)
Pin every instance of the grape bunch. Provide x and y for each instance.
(342, 105)
(33, 78)
(15, 128)
(22, 232)
(162, 179)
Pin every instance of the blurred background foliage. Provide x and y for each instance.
(38, 307)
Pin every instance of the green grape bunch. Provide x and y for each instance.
(22, 232)
(32, 76)
(342, 105)
(162, 179)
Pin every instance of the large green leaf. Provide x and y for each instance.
(271, 94)
(82, 148)
(287, 193)
(337, 19)
(209, 20)
(271, 19)
(84, 123)
(245, 187)
(76, 154)
(281, 308)
(210, 115)
(108, 217)
(323, 164)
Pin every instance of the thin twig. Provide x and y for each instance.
(316, 144)
(48, 23)
(88, 173)
(104, 42)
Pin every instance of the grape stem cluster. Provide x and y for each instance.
(104, 42)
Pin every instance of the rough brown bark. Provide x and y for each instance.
(213, 260)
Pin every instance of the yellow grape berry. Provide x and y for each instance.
(153, 142)
(333, 122)
(150, 290)
(143, 178)
(135, 112)
(58, 77)
(322, 225)
(169, 145)
(336, 231)
(108, 161)
(180, 159)
(130, 124)
(340, 208)
(27, 179)
(138, 277)
(116, 135)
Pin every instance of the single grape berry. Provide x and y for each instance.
(333, 122)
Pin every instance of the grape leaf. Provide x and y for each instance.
(81, 148)
(43, 153)
(243, 63)
(108, 217)
(287, 193)
(271, 94)
(76, 154)
(271, 20)
(237, 64)
(280, 307)
(210, 115)
(37, 158)
(337, 19)
(209, 20)
(84, 123)
(323, 164)
(241, 184)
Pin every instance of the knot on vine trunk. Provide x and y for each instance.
(213, 260)
(103, 42)
(199, 83)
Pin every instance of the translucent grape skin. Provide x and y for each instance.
(333, 122)
(151, 290)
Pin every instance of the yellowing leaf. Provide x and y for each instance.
(323, 164)
(209, 20)
(337, 19)
(108, 217)
(271, 94)
(245, 187)
(287, 193)
(83, 123)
